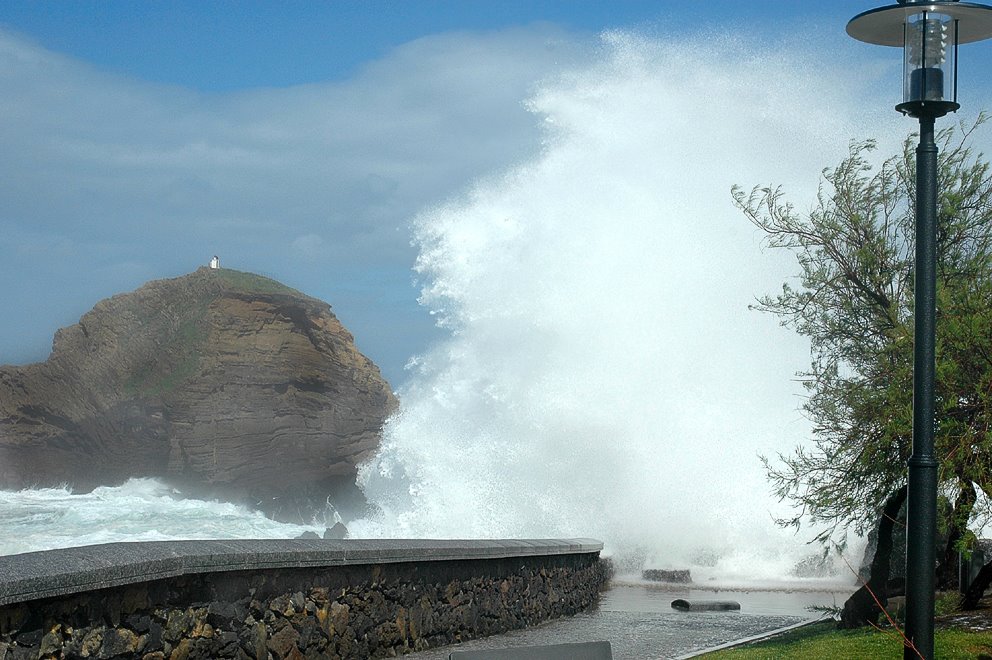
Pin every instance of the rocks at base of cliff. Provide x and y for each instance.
(218, 381)
(338, 532)
(677, 576)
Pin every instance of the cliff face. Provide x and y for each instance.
(219, 379)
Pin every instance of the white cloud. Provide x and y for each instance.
(129, 172)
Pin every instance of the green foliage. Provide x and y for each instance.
(174, 313)
(250, 282)
(947, 602)
(854, 301)
(823, 640)
(155, 379)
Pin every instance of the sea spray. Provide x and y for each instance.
(138, 510)
(604, 376)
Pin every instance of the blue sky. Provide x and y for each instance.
(217, 46)
(294, 139)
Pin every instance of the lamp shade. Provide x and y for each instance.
(884, 26)
(929, 34)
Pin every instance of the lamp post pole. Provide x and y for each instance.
(921, 512)
(929, 32)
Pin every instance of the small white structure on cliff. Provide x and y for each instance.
(215, 262)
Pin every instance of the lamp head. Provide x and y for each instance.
(929, 34)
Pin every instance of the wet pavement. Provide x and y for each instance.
(637, 619)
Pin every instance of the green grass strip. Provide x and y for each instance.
(251, 283)
(824, 640)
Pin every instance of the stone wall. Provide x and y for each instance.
(347, 608)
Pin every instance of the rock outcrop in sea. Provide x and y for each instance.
(220, 382)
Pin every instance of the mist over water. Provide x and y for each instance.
(138, 510)
(604, 376)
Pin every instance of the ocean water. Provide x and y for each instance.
(138, 510)
(603, 376)
(639, 622)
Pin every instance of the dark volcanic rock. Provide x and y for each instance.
(218, 379)
(678, 576)
(338, 531)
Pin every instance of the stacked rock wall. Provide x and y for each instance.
(347, 611)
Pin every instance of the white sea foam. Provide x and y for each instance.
(138, 510)
(604, 376)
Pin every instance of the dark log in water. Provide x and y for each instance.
(705, 605)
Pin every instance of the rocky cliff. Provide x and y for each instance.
(218, 381)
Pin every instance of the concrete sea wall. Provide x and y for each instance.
(280, 599)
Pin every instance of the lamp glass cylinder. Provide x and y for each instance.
(929, 55)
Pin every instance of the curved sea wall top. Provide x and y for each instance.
(287, 598)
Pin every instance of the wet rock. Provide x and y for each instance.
(178, 624)
(139, 623)
(154, 636)
(191, 379)
(677, 576)
(51, 643)
(684, 605)
(339, 618)
(182, 651)
(118, 641)
(228, 645)
(284, 642)
(223, 615)
(309, 631)
(92, 642)
(30, 638)
(22, 653)
(338, 532)
(283, 605)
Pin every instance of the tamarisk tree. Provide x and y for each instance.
(853, 299)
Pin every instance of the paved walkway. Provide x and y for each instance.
(640, 624)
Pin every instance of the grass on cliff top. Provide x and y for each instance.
(824, 640)
(154, 379)
(181, 325)
(251, 283)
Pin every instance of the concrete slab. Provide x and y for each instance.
(35, 575)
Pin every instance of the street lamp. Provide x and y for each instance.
(929, 34)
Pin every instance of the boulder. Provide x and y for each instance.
(219, 381)
(338, 531)
(678, 576)
(684, 605)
